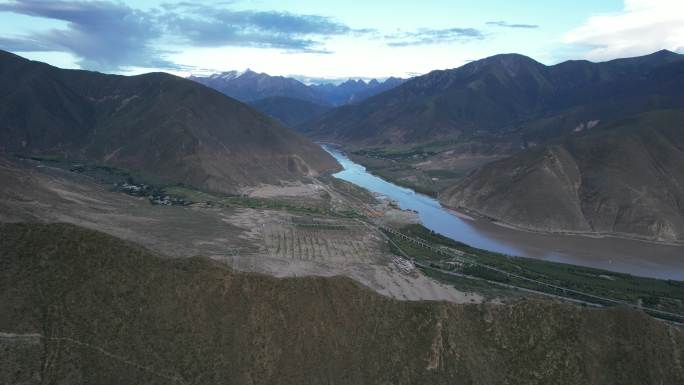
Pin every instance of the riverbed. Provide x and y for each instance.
(610, 253)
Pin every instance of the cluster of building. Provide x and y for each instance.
(156, 196)
(403, 264)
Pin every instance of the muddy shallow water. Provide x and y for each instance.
(616, 254)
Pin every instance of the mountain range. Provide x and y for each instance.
(595, 148)
(98, 286)
(249, 86)
(165, 127)
(507, 98)
(276, 96)
(354, 91)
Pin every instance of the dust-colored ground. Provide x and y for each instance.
(289, 189)
(394, 216)
(269, 241)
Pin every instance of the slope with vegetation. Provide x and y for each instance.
(83, 307)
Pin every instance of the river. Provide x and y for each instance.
(615, 254)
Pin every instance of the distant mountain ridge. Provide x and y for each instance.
(289, 111)
(249, 86)
(509, 98)
(157, 124)
(354, 91)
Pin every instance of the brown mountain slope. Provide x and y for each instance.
(83, 307)
(158, 124)
(624, 179)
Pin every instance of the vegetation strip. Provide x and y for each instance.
(562, 289)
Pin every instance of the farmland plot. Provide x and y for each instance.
(323, 243)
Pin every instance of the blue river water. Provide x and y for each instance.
(615, 254)
(430, 211)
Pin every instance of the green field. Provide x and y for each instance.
(665, 295)
(196, 196)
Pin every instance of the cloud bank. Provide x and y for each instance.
(109, 36)
(210, 26)
(104, 35)
(506, 24)
(425, 36)
(643, 27)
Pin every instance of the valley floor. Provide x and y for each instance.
(322, 227)
(239, 233)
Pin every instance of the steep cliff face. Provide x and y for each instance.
(83, 307)
(624, 179)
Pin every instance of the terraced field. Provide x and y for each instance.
(323, 243)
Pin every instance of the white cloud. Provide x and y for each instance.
(643, 27)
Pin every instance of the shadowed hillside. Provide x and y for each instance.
(83, 307)
(157, 124)
(290, 111)
(509, 99)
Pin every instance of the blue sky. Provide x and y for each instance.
(331, 39)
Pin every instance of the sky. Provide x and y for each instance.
(331, 39)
